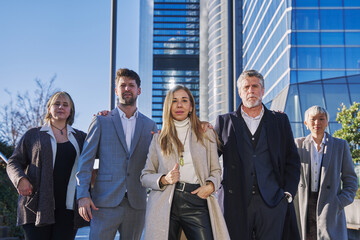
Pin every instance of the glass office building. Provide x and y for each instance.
(220, 56)
(308, 52)
(175, 50)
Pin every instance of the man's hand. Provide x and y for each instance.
(205, 126)
(173, 176)
(24, 187)
(205, 191)
(85, 205)
(103, 113)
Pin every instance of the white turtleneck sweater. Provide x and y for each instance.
(187, 172)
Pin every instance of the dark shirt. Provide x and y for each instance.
(64, 162)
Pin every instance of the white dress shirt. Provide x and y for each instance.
(316, 158)
(128, 126)
(252, 122)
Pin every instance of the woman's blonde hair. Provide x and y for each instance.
(168, 135)
(53, 99)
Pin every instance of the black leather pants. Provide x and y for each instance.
(191, 213)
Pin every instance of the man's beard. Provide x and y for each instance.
(249, 104)
(128, 101)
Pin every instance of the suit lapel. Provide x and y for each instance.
(115, 117)
(138, 129)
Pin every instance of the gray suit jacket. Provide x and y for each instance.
(337, 166)
(119, 169)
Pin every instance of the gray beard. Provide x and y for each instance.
(252, 105)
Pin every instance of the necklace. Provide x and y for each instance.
(181, 160)
(61, 130)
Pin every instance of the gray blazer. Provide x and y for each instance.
(119, 169)
(337, 167)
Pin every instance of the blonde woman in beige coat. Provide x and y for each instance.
(183, 171)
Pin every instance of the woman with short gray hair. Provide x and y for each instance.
(325, 163)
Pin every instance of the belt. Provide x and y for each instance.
(186, 187)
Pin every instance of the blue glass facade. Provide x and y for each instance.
(308, 52)
(175, 50)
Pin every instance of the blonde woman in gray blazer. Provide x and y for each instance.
(325, 163)
(183, 171)
(42, 168)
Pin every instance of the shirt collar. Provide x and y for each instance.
(123, 115)
(244, 114)
(47, 128)
(322, 141)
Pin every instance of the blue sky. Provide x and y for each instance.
(69, 39)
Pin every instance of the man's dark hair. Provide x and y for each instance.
(124, 72)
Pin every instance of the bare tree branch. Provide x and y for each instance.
(27, 112)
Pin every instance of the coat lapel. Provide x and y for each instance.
(327, 156)
(238, 126)
(115, 117)
(273, 140)
(306, 159)
(197, 156)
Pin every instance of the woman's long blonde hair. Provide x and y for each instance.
(168, 135)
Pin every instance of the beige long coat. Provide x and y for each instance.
(207, 168)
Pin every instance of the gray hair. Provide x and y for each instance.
(312, 111)
(250, 73)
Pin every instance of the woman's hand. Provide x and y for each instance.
(172, 177)
(24, 187)
(205, 191)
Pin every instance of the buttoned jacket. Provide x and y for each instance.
(119, 167)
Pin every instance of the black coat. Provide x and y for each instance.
(284, 158)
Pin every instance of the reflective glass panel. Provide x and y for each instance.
(352, 18)
(310, 95)
(307, 19)
(293, 76)
(354, 78)
(306, 76)
(332, 58)
(335, 95)
(332, 38)
(308, 57)
(331, 19)
(297, 129)
(341, 80)
(352, 38)
(352, 72)
(292, 107)
(330, 3)
(332, 74)
(354, 92)
(306, 3)
(353, 57)
(351, 3)
(307, 38)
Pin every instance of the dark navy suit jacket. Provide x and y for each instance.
(285, 161)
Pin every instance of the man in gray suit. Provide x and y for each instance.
(121, 141)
